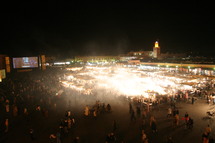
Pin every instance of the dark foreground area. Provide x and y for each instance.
(37, 114)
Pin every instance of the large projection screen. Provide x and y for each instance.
(25, 62)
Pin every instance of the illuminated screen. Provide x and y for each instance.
(25, 62)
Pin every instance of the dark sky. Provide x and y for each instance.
(105, 28)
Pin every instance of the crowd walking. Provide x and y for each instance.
(40, 98)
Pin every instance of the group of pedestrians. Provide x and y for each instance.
(65, 126)
(96, 109)
(27, 97)
(143, 114)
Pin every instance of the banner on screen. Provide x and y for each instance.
(25, 62)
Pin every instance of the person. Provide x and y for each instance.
(7, 106)
(15, 110)
(69, 122)
(110, 138)
(95, 113)
(103, 108)
(186, 117)
(144, 138)
(205, 137)
(144, 114)
(108, 108)
(193, 100)
(169, 140)
(68, 113)
(133, 118)
(32, 134)
(61, 126)
(177, 111)
(86, 111)
(52, 138)
(76, 140)
(6, 125)
(172, 102)
(25, 111)
(65, 126)
(138, 111)
(208, 99)
(58, 136)
(176, 120)
(208, 129)
(38, 108)
(190, 123)
(148, 107)
(169, 113)
(73, 121)
(153, 124)
(130, 107)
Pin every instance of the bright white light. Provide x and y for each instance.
(124, 81)
(61, 63)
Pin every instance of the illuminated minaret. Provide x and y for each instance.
(156, 50)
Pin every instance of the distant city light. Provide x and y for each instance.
(61, 63)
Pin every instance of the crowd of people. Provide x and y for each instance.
(26, 96)
(172, 113)
(31, 96)
(97, 108)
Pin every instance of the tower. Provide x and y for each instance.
(156, 50)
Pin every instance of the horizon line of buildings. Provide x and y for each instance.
(147, 58)
(133, 55)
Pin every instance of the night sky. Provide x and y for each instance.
(106, 28)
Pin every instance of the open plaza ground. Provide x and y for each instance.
(47, 116)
